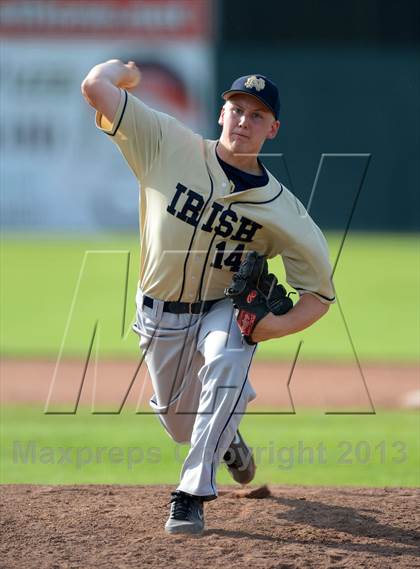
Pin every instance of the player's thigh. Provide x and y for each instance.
(219, 338)
(225, 372)
(169, 346)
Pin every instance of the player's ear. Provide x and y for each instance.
(221, 116)
(275, 125)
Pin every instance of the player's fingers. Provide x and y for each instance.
(137, 73)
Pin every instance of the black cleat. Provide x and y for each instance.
(186, 514)
(240, 461)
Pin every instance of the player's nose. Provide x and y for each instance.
(243, 121)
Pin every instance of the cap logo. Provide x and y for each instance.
(255, 82)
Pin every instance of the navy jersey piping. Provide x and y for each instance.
(317, 293)
(203, 272)
(193, 237)
(256, 203)
(121, 116)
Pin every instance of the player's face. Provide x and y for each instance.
(247, 123)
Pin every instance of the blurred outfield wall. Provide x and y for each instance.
(349, 81)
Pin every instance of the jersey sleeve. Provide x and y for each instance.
(306, 258)
(138, 132)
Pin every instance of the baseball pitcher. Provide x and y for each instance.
(211, 215)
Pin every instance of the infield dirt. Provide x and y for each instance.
(309, 385)
(69, 527)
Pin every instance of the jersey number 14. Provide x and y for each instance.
(231, 259)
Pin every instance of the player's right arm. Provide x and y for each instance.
(141, 133)
(101, 87)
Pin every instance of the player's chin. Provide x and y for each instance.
(240, 145)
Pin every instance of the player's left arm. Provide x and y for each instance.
(304, 313)
(308, 270)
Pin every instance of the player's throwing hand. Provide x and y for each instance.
(132, 78)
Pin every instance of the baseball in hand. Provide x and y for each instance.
(132, 78)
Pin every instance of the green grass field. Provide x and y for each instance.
(306, 448)
(43, 281)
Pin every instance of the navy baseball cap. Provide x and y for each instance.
(258, 86)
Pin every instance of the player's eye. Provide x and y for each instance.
(257, 116)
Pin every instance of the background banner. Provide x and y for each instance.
(58, 171)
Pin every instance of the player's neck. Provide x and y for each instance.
(248, 164)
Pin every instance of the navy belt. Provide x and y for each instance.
(182, 307)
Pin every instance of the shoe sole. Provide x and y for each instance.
(184, 529)
(243, 475)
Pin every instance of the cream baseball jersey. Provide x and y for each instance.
(193, 231)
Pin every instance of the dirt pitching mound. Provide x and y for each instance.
(291, 527)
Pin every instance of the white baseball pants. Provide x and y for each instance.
(198, 366)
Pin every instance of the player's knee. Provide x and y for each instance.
(180, 435)
(181, 438)
(178, 427)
